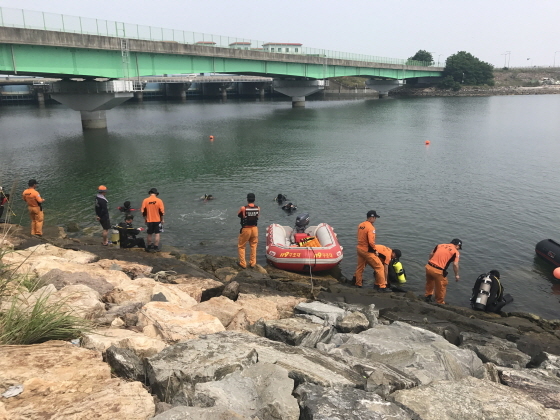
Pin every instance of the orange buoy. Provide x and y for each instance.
(427, 141)
(211, 137)
(556, 272)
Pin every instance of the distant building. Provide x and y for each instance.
(240, 45)
(207, 43)
(283, 47)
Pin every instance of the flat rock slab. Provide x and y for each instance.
(494, 350)
(417, 352)
(469, 399)
(540, 384)
(329, 313)
(319, 403)
(62, 381)
(296, 331)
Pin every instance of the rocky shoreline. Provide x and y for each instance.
(194, 337)
(475, 91)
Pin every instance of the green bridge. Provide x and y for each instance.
(51, 45)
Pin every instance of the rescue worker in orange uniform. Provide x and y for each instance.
(153, 210)
(436, 269)
(249, 232)
(34, 204)
(386, 254)
(367, 253)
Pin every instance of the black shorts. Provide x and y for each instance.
(105, 224)
(153, 227)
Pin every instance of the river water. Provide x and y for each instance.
(488, 177)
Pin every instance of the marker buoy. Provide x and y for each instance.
(211, 137)
(556, 272)
(427, 142)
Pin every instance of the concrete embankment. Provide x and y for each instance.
(195, 336)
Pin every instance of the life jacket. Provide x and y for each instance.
(250, 215)
(399, 271)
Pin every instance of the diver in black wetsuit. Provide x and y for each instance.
(488, 293)
(127, 234)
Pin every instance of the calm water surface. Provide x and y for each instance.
(489, 176)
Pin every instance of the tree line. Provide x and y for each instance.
(461, 68)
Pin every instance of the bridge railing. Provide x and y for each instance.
(30, 19)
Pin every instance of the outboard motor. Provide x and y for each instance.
(302, 221)
(483, 294)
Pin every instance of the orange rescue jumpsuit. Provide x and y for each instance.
(33, 199)
(366, 255)
(249, 215)
(442, 255)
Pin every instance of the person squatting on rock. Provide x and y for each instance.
(102, 212)
(488, 293)
(367, 253)
(153, 210)
(394, 273)
(128, 233)
(35, 206)
(249, 215)
(436, 269)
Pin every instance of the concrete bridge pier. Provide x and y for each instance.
(139, 96)
(41, 98)
(177, 90)
(383, 86)
(92, 99)
(298, 89)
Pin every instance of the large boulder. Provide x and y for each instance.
(354, 322)
(296, 331)
(141, 345)
(423, 354)
(125, 364)
(341, 403)
(330, 313)
(138, 290)
(62, 381)
(470, 398)
(267, 387)
(494, 350)
(60, 278)
(257, 308)
(199, 288)
(221, 307)
(175, 371)
(540, 384)
(173, 323)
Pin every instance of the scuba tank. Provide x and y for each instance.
(483, 294)
(399, 271)
(115, 236)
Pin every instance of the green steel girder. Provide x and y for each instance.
(82, 62)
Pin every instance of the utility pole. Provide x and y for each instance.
(554, 63)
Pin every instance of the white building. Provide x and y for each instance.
(283, 47)
(240, 45)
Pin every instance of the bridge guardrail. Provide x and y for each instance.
(29, 19)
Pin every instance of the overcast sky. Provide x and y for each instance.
(388, 28)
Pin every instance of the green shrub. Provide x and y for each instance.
(43, 322)
(449, 83)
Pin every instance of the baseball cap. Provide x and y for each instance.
(457, 242)
(32, 182)
(101, 188)
(153, 191)
(372, 213)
